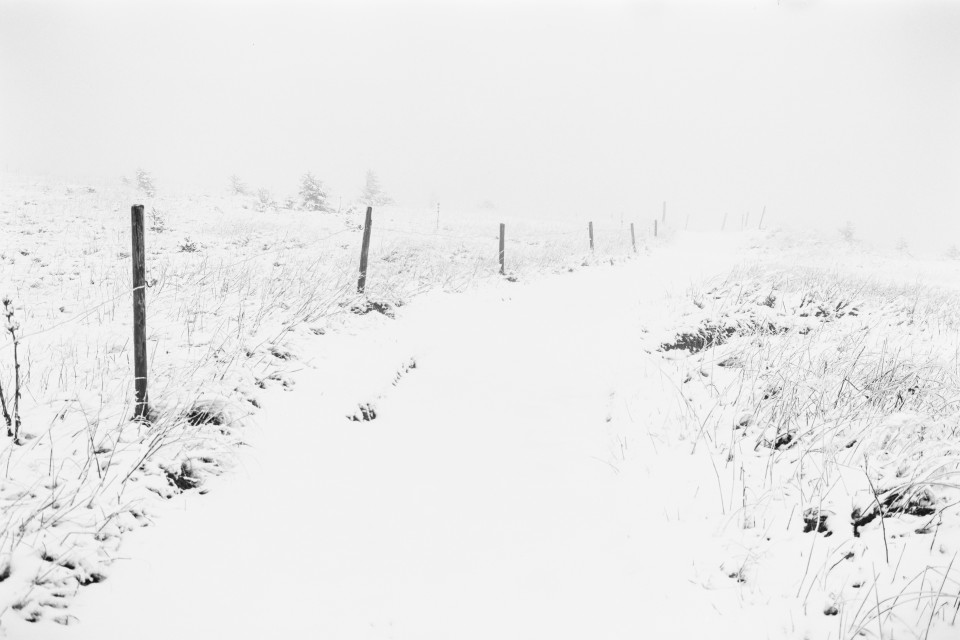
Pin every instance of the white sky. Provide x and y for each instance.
(822, 111)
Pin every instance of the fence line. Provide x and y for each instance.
(140, 282)
(87, 311)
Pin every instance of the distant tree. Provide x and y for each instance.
(158, 220)
(313, 195)
(372, 193)
(902, 246)
(237, 185)
(145, 183)
(847, 232)
(265, 200)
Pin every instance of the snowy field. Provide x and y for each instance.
(737, 435)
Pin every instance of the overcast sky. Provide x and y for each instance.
(822, 111)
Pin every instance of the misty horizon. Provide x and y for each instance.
(820, 113)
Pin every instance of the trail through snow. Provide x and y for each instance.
(519, 482)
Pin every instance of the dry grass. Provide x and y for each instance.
(232, 289)
(835, 402)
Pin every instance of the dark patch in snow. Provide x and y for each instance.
(703, 338)
(203, 413)
(819, 520)
(184, 478)
(366, 413)
(406, 369)
(711, 334)
(902, 500)
(367, 306)
(281, 353)
(777, 439)
(91, 578)
(730, 362)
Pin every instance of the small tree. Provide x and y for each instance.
(313, 195)
(372, 193)
(145, 182)
(847, 232)
(158, 222)
(265, 200)
(237, 186)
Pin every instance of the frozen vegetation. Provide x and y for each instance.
(730, 434)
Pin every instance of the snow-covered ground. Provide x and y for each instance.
(234, 287)
(686, 444)
(508, 486)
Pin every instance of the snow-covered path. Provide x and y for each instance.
(507, 488)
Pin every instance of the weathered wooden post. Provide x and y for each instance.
(664, 221)
(590, 228)
(723, 225)
(141, 407)
(503, 233)
(746, 220)
(762, 214)
(365, 250)
(654, 227)
(633, 238)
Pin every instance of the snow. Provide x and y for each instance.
(485, 457)
(233, 289)
(486, 499)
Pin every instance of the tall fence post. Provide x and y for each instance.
(746, 220)
(723, 225)
(141, 406)
(633, 238)
(664, 221)
(365, 250)
(654, 227)
(503, 233)
(762, 214)
(590, 227)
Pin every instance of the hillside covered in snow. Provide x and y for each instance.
(746, 434)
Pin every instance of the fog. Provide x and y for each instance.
(822, 112)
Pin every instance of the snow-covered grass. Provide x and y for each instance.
(832, 403)
(233, 289)
(817, 385)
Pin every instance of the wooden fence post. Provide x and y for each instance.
(503, 233)
(746, 220)
(141, 407)
(633, 238)
(365, 250)
(590, 227)
(664, 221)
(762, 214)
(724, 224)
(654, 227)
